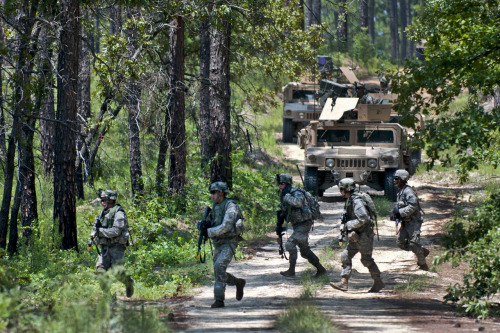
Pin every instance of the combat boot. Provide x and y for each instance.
(290, 272)
(240, 284)
(217, 304)
(377, 285)
(423, 267)
(342, 285)
(320, 270)
(426, 252)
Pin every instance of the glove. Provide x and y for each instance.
(342, 227)
(204, 233)
(396, 212)
(98, 223)
(279, 230)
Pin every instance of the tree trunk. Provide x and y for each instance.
(371, 20)
(363, 14)
(177, 176)
(220, 95)
(3, 144)
(410, 47)
(14, 212)
(316, 12)
(342, 26)
(403, 4)
(29, 212)
(133, 96)
(393, 21)
(65, 147)
(83, 112)
(206, 151)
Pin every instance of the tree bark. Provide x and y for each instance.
(371, 20)
(133, 96)
(206, 151)
(177, 175)
(410, 46)
(342, 33)
(84, 111)
(65, 147)
(403, 4)
(3, 144)
(14, 212)
(363, 14)
(393, 22)
(220, 95)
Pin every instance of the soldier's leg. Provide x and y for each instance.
(366, 249)
(102, 264)
(222, 257)
(403, 237)
(346, 259)
(415, 247)
(117, 253)
(291, 248)
(307, 253)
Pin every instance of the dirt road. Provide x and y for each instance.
(267, 293)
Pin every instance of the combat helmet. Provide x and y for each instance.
(348, 184)
(284, 178)
(358, 84)
(219, 186)
(402, 174)
(108, 194)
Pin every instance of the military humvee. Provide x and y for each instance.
(368, 145)
(300, 104)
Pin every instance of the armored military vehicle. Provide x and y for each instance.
(364, 142)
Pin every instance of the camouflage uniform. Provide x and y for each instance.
(360, 232)
(113, 239)
(409, 232)
(224, 216)
(297, 212)
(365, 98)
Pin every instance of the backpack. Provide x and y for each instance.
(313, 204)
(370, 206)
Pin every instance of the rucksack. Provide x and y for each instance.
(313, 204)
(367, 199)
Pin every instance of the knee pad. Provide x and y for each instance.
(219, 291)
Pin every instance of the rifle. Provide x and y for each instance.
(343, 232)
(97, 225)
(396, 219)
(203, 226)
(300, 174)
(279, 231)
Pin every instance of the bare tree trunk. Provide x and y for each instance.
(177, 176)
(220, 95)
(29, 212)
(393, 19)
(403, 5)
(65, 147)
(133, 96)
(3, 144)
(363, 14)
(14, 213)
(410, 47)
(115, 23)
(206, 152)
(342, 33)
(83, 112)
(371, 20)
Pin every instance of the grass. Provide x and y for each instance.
(413, 285)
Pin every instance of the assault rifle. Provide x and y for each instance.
(280, 219)
(343, 231)
(203, 226)
(398, 220)
(97, 225)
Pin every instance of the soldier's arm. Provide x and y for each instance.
(411, 204)
(117, 228)
(295, 200)
(227, 224)
(362, 216)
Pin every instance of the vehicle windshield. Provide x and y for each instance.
(303, 94)
(333, 136)
(375, 136)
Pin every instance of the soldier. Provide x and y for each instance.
(296, 210)
(359, 229)
(362, 94)
(111, 233)
(407, 209)
(384, 85)
(225, 216)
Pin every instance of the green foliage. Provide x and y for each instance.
(302, 317)
(362, 49)
(461, 48)
(413, 284)
(474, 237)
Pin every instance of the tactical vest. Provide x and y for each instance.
(109, 218)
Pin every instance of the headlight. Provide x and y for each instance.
(312, 158)
(372, 163)
(288, 112)
(301, 115)
(330, 163)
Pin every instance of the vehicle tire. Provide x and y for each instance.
(415, 160)
(311, 180)
(390, 190)
(321, 193)
(287, 130)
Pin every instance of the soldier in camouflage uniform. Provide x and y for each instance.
(359, 230)
(296, 211)
(224, 216)
(362, 94)
(112, 235)
(407, 209)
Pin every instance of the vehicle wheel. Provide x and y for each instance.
(311, 180)
(321, 193)
(287, 130)
(415, 160)
(390, 190)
